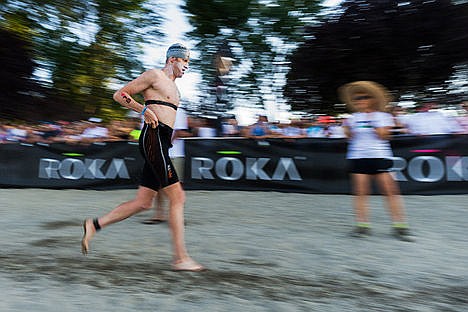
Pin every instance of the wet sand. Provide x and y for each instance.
(266, 251)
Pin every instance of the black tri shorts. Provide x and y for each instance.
(158, 171)
(369, 165)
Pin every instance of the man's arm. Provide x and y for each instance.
(124, 96)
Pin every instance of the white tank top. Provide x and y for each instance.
(364, 141)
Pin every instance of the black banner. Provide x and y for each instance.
(422, 165)
(96, 166)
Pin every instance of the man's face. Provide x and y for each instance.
(180, 65)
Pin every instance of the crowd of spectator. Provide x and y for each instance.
(76, 132)
(426, 120)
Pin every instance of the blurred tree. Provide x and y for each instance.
(83, 48)
(259, 34)
(408, 46)
(16, 66)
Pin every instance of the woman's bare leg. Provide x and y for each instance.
(390, 189)
(361, 190)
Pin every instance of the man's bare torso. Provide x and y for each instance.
(163, 89)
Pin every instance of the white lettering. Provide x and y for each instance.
(74, 169)
(236, 166)
(254, 169)
(232, 169)
(286, 166)
(48, 168)
(430, 169)
(201, 168)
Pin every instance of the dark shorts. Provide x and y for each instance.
(158, 171)
(369, 165)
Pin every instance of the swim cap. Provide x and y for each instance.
(178, 50)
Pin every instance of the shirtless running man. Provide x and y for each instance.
(161, 101)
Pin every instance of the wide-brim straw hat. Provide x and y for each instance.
(377, 91)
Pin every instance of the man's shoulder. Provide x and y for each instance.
(152, 76)
(153, 72)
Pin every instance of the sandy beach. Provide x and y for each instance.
(265, 251)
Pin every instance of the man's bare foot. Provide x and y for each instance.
(89, 231)
(187, 265)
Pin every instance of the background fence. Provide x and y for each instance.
(422, 165)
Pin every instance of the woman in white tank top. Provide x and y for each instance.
(369, 153)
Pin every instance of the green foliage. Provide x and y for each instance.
(16, 65)
(409, 47)
(260, 35)
(83, 49)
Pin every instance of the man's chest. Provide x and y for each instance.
(166, 91)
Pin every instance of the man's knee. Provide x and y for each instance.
(146, 205)
(144, 198)
(176, 194)
(178, 198)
